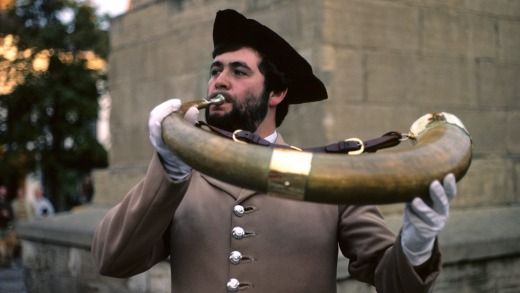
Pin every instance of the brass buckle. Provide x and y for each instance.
(358, 152)
(236, 139)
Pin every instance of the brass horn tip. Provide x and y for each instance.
(219, 99)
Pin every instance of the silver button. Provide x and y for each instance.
(238, 233)
(233, 285)
(235, 257)
(238, 210)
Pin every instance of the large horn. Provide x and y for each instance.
(440, 145)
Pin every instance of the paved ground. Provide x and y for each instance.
(11, 279)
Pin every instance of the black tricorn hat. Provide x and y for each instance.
(232, 27)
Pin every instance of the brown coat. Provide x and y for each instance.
(289, 246)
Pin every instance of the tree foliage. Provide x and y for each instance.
(52, 84)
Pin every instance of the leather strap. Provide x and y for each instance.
(387, 140)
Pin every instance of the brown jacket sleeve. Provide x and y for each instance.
(395, 273)
(133, 236)
(375, 254)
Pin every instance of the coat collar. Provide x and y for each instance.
(240, 194)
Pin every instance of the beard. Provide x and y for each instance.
(245, 115)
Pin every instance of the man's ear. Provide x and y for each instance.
(276, 97)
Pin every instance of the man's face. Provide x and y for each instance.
(237, 77)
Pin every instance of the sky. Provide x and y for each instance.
(112, 7)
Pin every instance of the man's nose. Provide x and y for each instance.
(222, 81)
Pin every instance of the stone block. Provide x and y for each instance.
(364, 24)
(160, 278)
(34, 256)
(486, 128)
(499, 85)
(517, 186)
(285, 21)
(342, 71)
(482, 36)
(153, 18)
(488, 182)
(138, 283)
(503, 8)
(352, 285)
(138, 3)
(392, 78)
(511, 132)
(311, 18)
(443, 32)
(509, 40)
(453, 4)
(118, 119)
(149, 59)
(118, 31)
(367, 121)
(195, 52)
(132, 23)
(445, 81)
(187, 87)
(188, 14)
(113, 184)
(303, 126)
(133, 145)
(499, 275)
(117, 66)
(392, 209)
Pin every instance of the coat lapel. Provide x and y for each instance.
(238, 193)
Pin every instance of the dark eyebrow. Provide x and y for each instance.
(216, 63)
(234, 64)
(237, 64)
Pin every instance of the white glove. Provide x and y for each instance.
(176, 169)
(422, 223)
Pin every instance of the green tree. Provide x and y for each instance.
(56, 74)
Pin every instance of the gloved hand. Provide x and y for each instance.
(423, 222)
(176, 169)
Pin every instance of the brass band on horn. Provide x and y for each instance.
(440, 145)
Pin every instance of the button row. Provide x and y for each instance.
(235, 257)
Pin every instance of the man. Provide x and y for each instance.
(224, 238)
(42, 206)
(22, 207)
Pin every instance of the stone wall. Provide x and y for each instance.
(385, 63)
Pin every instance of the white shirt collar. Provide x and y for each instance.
(272, 137)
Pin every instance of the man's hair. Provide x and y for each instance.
(274, 79)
